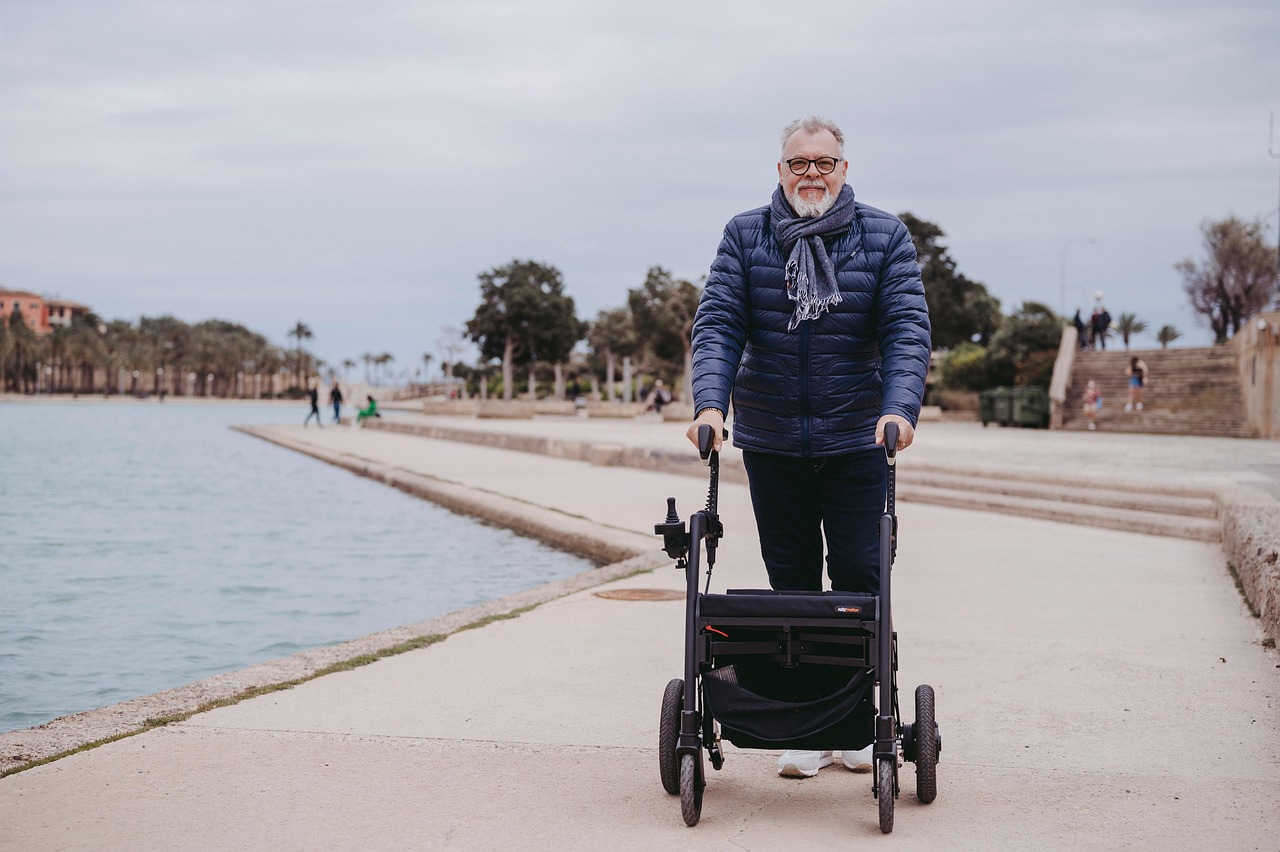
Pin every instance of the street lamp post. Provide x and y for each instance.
(1275, 155)
(1062, 281)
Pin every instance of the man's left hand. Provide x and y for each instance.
(906, 432)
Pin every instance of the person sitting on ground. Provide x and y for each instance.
(660, 397)
(1092, 402)
(370, 410)
(1137, 373)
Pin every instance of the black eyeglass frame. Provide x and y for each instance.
(794, 161)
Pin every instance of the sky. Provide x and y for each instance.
(356, 165)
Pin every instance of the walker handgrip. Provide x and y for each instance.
(891, 440)
(706, 440)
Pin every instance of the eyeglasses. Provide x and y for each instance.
(824, 165)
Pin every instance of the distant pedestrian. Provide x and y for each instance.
(1092, 403)
(1099, 323)
(313, 394)
(1082, 333)
(1137, 373)
(335, 399)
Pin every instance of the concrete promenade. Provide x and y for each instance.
(1097, 689)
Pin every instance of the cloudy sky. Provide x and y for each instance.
(355, 164)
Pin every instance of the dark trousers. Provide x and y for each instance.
(797, 500)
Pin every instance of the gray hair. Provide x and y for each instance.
(813, 124)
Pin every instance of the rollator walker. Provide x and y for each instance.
(770, 669)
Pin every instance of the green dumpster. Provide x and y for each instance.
(996, 405)
(1014, 407)
(1030, 408)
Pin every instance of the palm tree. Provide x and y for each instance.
(382, 361)
(301, 331)
(84, 348)
(348, 365)
(22, 350)
(1128, 325)
(1166, 335)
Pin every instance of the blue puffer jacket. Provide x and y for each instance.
(818, 390)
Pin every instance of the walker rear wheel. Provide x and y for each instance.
(668, 734)
(926, 735)
(884, 779)
(691, 788)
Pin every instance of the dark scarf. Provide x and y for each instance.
(810, 274)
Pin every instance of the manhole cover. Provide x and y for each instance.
(641, 595)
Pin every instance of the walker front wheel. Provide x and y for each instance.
(884, 780)
(691, 788)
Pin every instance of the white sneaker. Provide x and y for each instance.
(1128, 406)
(803, 764)
(1093, 426)
(857, 761)
(1139, 406)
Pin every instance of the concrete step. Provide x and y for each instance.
(1192, 514)
(1107, 517)
(1193, 507)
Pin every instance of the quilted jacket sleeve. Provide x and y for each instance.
(720, 327)
(903, 322)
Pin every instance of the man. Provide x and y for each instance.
(313, 395)
(814, 321)
(1099, 323)
(335, 399)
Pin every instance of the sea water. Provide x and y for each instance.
(145, 545)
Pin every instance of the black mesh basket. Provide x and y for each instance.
(759, 705)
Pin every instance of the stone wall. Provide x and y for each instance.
(1251, 540)
(1256, 348)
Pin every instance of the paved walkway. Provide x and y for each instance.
(1096, 689)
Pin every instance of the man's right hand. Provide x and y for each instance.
(709, 417)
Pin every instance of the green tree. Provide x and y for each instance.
(1129, 325)
(165, 339)
(524, 317)
(1236, 278)
(959, 309)
(662, 312)
(611, 336)
(1027, 341)
(23, 346)
(84, 349)
(1166, 335)
(300, 332)
(966, 367)
(380, 364)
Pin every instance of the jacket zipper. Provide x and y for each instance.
(804, 387)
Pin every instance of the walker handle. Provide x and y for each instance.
(891, 440)
(706, 440)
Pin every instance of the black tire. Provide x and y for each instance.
(691, 788)
(926, 731)
(668, 733)
(884, 777)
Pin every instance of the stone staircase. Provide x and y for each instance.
(1185, 511)
(1191, 514)
(1189, 392)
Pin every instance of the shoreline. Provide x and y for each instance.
(619, 553)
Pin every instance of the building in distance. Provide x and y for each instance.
(42, 315)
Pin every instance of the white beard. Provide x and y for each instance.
(811, 209)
